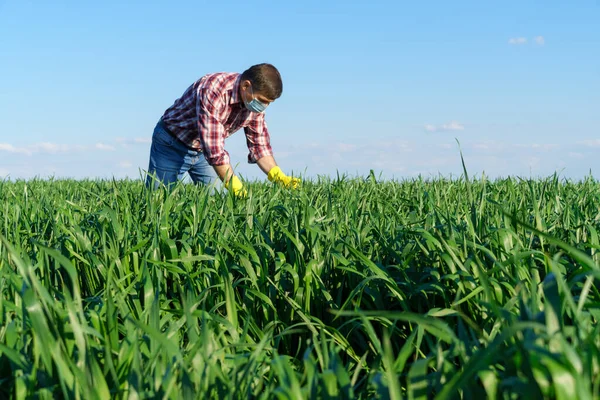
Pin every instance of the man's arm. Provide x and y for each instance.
(258, 141)
(266, 163)
(232, 182)
(212, 136)
(225, 172)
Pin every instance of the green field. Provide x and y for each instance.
(346, 288)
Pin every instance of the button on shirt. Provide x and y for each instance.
(211, 110)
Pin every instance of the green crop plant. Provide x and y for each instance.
(346, 288)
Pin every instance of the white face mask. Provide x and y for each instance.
(255, 105)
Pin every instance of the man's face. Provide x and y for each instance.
(248, 93)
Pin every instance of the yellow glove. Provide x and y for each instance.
(276, 175)
(236, 186)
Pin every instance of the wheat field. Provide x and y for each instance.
(346, 288)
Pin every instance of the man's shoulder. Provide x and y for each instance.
(219, 81)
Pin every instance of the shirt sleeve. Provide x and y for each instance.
(258, 140)
(210, 108)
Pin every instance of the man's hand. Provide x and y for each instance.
(232, 182)
(236, 186)
(276, 175)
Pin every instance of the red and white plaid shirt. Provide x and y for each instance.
(211, 110)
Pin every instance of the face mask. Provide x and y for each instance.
(255, 105)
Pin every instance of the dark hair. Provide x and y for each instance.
(265, 79)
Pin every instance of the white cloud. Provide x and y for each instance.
(126, 142)
(51, 148)
(546, 146)
(9, 148)
(517, 40)
(387, 145)
(336, 157)
(42, 147)
(538, 40)
(573, 154)
(538, 146)
(453, 126)
(55, 148)
(346, 147)
(403, 145)
(104, 147)
(590, 143)
(450, 126)
(489, 146)
(125, 164)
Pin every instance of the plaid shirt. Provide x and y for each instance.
(211, 110)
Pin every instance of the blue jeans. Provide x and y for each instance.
(170, 160)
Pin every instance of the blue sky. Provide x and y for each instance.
(382, 85)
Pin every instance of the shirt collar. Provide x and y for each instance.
(235, 96)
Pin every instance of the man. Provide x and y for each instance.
(190, 135)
